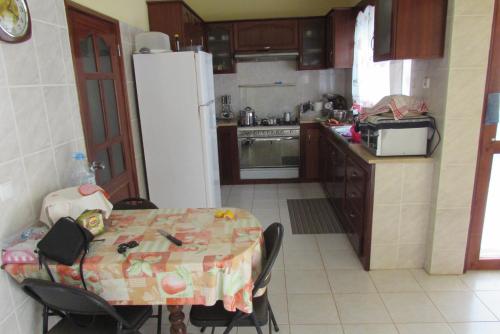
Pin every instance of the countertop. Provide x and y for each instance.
(227, 122)
(370, 158)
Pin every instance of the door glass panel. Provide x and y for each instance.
(118, 161)
(87, 54)
(104, 55)
(111, 109)
(490, 247)
(103, 175)
(95, 110)
(383, 27)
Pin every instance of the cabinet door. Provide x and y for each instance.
(383, 41)
(266, 35)
(220, 45)
(330, 39)
(310, 152)
(229, 165)
(338, 178)
(312, 43)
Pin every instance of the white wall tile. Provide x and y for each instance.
(41, 176)
(31, 119)
(9, 325)
(21, 63)
(43, 10)
(9, 145)
(16, 211)
(3, 73)
(59, 114)
(49, 53)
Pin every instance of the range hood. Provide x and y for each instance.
(266, 56)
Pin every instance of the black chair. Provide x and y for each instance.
(137, 203)
(83, 312)
(134, 203)
(217, 316)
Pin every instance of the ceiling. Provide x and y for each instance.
(218, 10)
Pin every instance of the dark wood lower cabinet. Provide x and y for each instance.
(309, 152)
(229, 161)
(348, 181)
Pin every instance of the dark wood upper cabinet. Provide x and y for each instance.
(176, 18)
(220, 45)
(266, 35)
(408, 29)
(312, 43)
(340, 27)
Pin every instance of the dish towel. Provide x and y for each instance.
(400, 106)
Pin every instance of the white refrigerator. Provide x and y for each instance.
(175, 92)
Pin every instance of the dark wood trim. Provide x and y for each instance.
(484, 159)
(9, 39)
(70, 5)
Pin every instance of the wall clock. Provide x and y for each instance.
(15, 21)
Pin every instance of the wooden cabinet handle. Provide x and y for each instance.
(354, 174)
(352, 215)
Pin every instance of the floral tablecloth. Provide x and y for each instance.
(219, 259)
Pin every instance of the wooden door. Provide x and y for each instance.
(484, 234)
(103, 106)
(266, 35)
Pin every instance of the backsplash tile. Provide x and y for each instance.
(273, 101)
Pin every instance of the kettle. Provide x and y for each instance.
(247, 116)
(287, 117)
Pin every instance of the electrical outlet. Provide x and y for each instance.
(6, 191)
(427, 83)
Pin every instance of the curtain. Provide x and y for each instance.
(370, 80)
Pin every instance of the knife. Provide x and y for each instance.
(170, 237)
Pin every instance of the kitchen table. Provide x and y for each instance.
(219, 260)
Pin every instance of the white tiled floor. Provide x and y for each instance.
(318, 285)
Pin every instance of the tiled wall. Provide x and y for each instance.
(41, 126)
(455, 99)
(308, 85)
(402, 201)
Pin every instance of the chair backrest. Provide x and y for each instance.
(134, 203)
(273, 239)
(69, 300)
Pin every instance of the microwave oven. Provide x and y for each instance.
(384, 136)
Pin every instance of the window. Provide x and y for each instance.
(371, 80)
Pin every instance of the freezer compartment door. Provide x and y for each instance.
(204, 72)
(210, 155)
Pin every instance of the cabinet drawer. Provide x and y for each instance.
(355, 231)
(355, 198)
(356, 175)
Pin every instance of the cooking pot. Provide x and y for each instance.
(247, 116)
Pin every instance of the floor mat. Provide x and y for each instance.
(313, 216)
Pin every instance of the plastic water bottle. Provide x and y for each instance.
(81, 173)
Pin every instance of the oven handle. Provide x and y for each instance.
(255, 139)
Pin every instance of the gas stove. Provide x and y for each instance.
(269, 131)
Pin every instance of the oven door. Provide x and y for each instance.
(269, 152)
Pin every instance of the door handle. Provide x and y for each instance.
(97, 165)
